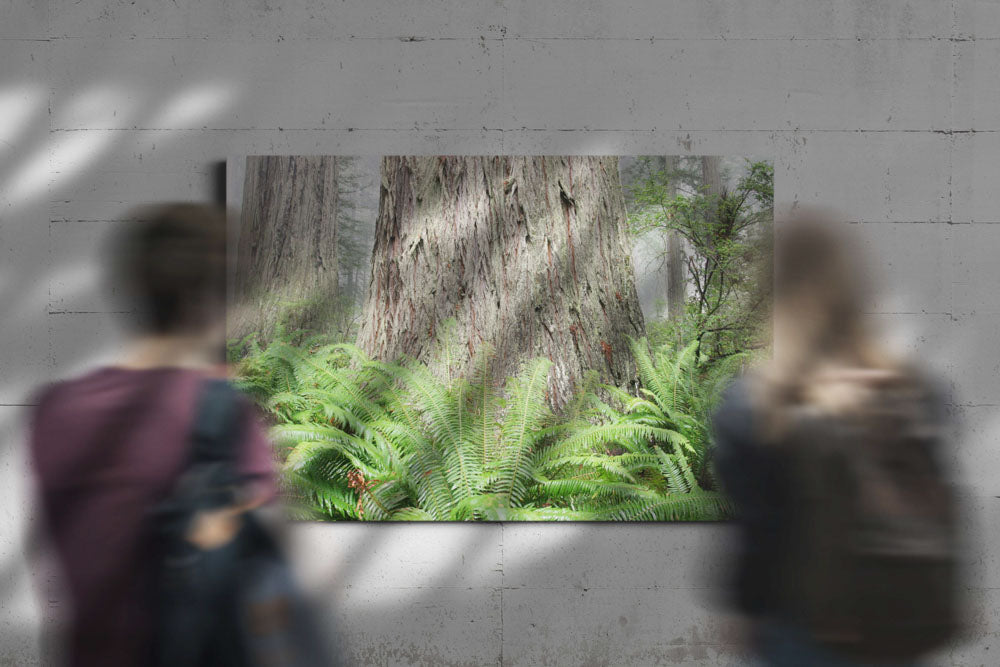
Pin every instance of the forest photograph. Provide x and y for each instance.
(497, 338)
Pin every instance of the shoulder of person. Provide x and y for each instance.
(43, 395)
(224, 391)
(933, 392)
(55, 393)
(738, 394)
(41, 400)
(735, 412)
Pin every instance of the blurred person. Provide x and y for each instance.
(831, 453)
(147, 470)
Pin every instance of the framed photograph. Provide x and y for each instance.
(497, 338)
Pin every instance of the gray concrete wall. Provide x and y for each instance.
(888, 109)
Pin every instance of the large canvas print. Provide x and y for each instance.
(497, 338)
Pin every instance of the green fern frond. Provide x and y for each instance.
(628, 434)
(590, 488)
(469, 449)
(607, 464)
(527, 411)
(700, 506)
(531, 513)
(412, 514)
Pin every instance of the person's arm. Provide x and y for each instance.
(748, 476)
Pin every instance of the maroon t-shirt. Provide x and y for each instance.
(106, 448)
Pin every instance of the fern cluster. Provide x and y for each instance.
(366, 440)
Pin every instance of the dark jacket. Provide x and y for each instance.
(755, 478)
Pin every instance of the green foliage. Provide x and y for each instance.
(666, 428)
(364, 440)
(727, 235)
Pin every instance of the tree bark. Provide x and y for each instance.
(288, 245)
(711, 178)
(528, 255)
(711, 174)
(676, 269)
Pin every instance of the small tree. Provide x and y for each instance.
(727, 230)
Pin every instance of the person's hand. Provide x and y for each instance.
(214, 528)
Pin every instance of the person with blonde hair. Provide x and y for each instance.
(831, 454)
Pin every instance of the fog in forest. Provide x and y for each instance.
(356, 221)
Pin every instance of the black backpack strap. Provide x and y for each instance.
(210, 480)
(217, 424)
(216, 431)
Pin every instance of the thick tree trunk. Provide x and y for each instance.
(288, 245)
(528, 255)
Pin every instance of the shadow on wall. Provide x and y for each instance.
(39, 168)
(39, 165)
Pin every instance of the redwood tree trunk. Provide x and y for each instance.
(711, 178)
(528, 255)
(676, 269)
(711, 174)
(287, 256)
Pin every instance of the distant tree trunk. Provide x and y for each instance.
(288, 245)
(528, 255)
(676, 271)
(711, 177)
(711, 174)
(676, 277)
(712, 187)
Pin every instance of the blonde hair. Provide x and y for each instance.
(826, 357)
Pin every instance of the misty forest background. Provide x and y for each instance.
(499, 337)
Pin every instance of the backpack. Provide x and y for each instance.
(873, 569)
(238, 605)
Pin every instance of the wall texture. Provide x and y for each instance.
(889, 110)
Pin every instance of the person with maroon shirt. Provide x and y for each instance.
(107, 447)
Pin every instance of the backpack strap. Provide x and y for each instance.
(217, 424)
(210, 478)
(193, 588)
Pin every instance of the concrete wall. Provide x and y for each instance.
(888, 109)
